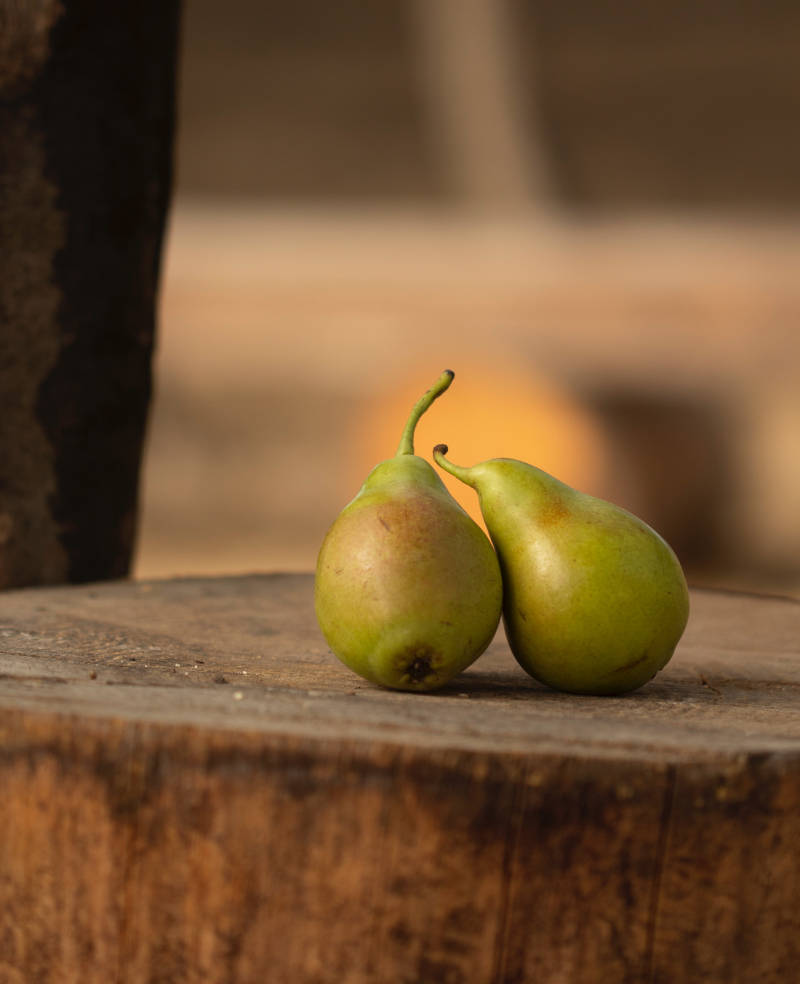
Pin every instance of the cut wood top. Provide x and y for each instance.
(245, 653)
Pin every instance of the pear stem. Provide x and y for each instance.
(462, 474)
(406, 445)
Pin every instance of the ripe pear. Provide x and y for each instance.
(595, 600)
(408, 589)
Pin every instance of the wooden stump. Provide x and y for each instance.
(195, 790)
(86, 119)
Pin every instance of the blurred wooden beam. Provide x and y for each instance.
(489, 142)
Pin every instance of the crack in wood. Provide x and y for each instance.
(510, 865)
(661, 857)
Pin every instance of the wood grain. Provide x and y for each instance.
(194, 789)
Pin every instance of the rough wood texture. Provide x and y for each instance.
(86, 106)
(195, 790)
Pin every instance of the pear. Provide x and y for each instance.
(408, 589)
(595, 600)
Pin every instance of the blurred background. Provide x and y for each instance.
(588, 211)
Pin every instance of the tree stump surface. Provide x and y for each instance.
(196, 790)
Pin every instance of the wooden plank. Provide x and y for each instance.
(651, 325)
(298, 824)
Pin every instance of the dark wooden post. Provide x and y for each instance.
(86, 125)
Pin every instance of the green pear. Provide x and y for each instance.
(408, 589)
(595, 601)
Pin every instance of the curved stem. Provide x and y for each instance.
(406, 445)
(462, 474)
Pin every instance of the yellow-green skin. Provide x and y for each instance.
(595, 600)
(408, 590)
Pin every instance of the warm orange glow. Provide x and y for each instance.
(487, 413)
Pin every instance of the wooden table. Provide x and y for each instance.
(195, 790)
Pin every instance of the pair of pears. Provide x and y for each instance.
(409, 591)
